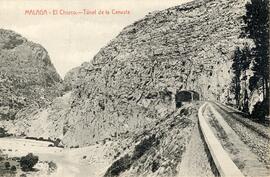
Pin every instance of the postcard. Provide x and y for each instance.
(134, 88)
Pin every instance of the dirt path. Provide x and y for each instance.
(196, 161)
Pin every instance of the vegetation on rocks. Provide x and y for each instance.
(28, 162)
(251, 63)
(3, 133)
(124, 163)
(158, 149)
(7, 165)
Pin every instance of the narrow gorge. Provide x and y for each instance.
(123, 102)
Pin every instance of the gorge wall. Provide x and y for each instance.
(131, 82)
(27, 76)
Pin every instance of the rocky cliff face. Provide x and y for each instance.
(27, 76)
(132, 81)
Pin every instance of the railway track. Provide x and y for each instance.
(231, 156)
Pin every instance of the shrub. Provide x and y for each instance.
(144, 146)
(13, 168)
(261, 110)
(52, 166)
(119, 166)
(7, 165)
(125, 162)
(57, 142)
(184, 112)
(3, 133)
(155, 166)
(28, 162)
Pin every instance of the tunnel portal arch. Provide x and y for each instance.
(186, 96)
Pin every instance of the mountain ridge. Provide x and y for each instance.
(133, 80)
(27, 75)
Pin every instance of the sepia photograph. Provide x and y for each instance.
(134, 88)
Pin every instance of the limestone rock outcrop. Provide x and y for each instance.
(27, 76)
(132, 81)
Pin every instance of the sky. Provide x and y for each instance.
(73, 39)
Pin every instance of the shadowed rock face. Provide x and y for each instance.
(27, 76)
(187, 47)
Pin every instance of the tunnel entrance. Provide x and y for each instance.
(185, 96)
